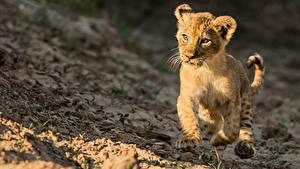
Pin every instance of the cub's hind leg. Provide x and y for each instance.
(231, 126)
(245, 146)
(189, 123)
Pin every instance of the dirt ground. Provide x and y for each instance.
(75, 94)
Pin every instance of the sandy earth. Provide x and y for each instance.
(72, 95)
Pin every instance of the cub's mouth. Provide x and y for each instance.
(197, 61)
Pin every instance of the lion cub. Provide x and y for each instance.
(214, 88)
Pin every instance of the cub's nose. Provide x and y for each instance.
(187, 58)
(192, 57)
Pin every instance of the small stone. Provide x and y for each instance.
(186, 156)
(121, 162)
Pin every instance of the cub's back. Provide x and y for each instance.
(239, 72)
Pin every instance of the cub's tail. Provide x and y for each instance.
(256, 60)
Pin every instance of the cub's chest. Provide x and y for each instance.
(218, 91)
(207, 87)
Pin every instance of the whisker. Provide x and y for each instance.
(173, 49)
(204, 63)
(175, 56)
(174, 62)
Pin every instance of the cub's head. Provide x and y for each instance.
(201, 35)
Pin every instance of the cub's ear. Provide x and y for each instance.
(226, 26)
(182, 12)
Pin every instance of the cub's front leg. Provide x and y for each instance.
(189, 123)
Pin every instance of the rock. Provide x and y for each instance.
(120, 162)
(275, 130)
(186, 156)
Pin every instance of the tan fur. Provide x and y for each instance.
(214, 88)
(259, 72)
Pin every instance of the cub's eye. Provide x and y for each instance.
(185, 37)
(205, 40)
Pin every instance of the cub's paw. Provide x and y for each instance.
(183, 143)
(244, 149)
(219, 139)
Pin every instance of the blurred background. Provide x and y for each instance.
(270, 27)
